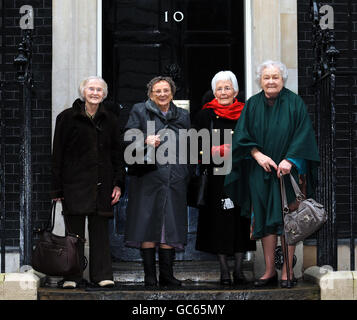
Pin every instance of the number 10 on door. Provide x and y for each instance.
(178, 16)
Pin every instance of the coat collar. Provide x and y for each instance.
(171, 115)
(79, 109)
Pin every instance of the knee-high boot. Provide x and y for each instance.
(166, 259)
(148, 255)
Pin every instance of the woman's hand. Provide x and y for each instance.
(116, 195)
(153, 140)
(284, 167)
(222, 151)
(264, 161)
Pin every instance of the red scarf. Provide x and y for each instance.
(231, 112)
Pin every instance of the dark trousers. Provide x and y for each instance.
(100, 262)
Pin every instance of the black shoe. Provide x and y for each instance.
(166, 260)
(284, 283)
(225, 282)
(266, 282)
(239, 280)
(225, 279)
(149, 261)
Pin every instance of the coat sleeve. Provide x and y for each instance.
(57, 158)
(135, 122)
(118, 156)
(244, 139)
(303, 143)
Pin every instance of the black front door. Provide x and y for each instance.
(190, 40)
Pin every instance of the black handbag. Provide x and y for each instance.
(56, 255)
(197, 191)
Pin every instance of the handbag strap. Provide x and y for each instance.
(284, 201)
(51, 223)
(51, 219)
(299, 195)
(285, 207)
(69, 232)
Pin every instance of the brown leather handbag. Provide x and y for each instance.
(56, 255)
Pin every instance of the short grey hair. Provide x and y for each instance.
(157, 79)
(270, 63)
(84, 83)
(222, 76)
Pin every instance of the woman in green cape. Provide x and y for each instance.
(273, 136)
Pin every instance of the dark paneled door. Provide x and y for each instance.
(189, 40)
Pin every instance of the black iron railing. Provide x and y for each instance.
(325, 122)
(23, 61)
(2, 145)
(351, 128)
(324, 77)
(2, 182)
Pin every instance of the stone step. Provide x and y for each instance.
(189, 291)
(200, 282)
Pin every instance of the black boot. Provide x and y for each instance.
(166, 259)
(148, 255)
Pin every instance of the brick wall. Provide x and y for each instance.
(345, 13)
(41, 112)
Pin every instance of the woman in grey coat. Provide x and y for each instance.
(157, 205)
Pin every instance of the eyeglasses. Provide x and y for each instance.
(225, 89)
(92, 89)
(158, 92)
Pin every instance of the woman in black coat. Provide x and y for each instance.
(220, 228)
(157, 204)
(87, 175)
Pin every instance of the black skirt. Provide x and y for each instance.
(221, 231)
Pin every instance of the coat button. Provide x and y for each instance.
(99, 183)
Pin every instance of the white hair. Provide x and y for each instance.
(222, 76)
(270, 63)
(84, 83)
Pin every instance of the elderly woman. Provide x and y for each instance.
(157, 205)
(275, 131)
(87, 176)
(221, 230)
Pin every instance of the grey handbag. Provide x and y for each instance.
(307, 219)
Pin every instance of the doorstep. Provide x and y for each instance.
(199, 279)
(188, 291)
